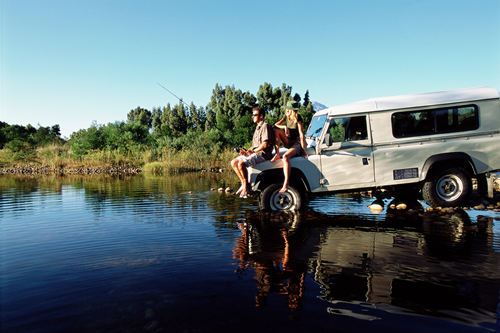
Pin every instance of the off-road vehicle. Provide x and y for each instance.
(434, 143)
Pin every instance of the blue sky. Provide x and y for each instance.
(73, 62)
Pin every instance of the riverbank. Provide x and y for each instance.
(57, 159)
(30, 169)
(156, 169)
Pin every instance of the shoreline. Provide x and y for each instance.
(30, 169)
(46, 170)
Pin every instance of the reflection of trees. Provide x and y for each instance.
(140, 194)
(153, 197)
(18, 190)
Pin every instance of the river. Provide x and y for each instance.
(170, 254)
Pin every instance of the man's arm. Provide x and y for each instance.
(262, 146)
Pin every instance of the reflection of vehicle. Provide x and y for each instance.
(431, 142)
(431, 264)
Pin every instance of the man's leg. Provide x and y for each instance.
(243, 172)
(235, 164)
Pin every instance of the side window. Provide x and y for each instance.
(346, 129)
(428, 122)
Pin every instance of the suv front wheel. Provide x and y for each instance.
(272, 199)
(448, 187)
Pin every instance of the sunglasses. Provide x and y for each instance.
(255, 114)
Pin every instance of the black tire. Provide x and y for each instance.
(272, 199)
(447, 188)
(482, 185)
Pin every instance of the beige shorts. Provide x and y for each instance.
(252, 159)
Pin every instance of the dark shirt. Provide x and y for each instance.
(263, 132)
(293, 133)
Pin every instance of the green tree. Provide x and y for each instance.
(306, 113)
(140, 115)
(197, 117)
(265, 97)
(178, 120)
(3, 138)
(306, 98)
(165, 120)
(156, 120)
(84, 140)
(296, 98)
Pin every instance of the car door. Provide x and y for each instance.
(346, 153)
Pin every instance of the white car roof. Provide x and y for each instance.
(410, 101)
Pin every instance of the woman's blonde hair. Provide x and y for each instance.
(293, 116)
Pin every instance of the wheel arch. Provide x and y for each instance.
(447, 160)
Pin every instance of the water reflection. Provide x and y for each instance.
(149, 252)
(278, 249)
(428, 264)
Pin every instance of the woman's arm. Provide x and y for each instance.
(302, 138)
(279, 122)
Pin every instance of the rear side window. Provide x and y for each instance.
(437, 121)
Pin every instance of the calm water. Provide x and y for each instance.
(169, 255)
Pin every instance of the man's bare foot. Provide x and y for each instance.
(242, 187)
(276, 157)
(284, 189)
(244, 193)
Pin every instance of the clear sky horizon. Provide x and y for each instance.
(75, 62)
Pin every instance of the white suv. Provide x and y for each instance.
(434, 143)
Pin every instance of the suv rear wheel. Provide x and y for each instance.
(272, 199)
(448, 187)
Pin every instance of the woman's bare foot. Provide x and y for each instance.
(276, 157)
(244, 193)
(284, 189)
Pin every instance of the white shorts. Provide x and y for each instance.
(252, 159)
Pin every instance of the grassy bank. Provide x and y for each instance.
(59, 158)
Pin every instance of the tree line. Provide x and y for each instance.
(224, 122)
(17, 137)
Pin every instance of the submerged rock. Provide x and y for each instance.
(377, 206)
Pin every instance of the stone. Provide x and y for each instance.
(480, 207)
(376, 208)
(401, 206)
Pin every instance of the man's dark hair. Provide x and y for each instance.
(259, 109)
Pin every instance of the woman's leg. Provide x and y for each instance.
(286, 167)
(280, 135)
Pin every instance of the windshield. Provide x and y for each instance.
(317, 124)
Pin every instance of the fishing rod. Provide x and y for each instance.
(180, 99)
